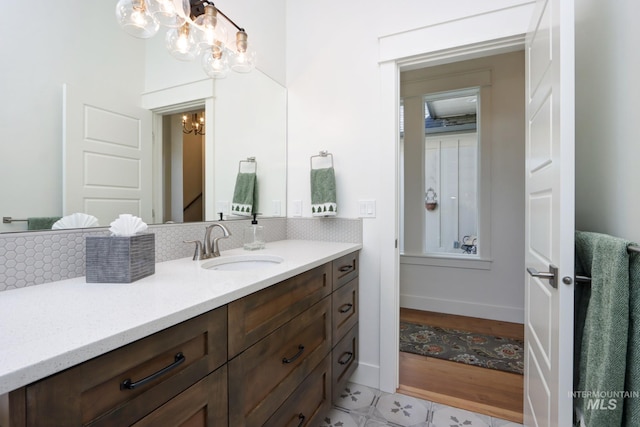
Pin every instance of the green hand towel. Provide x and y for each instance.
(601, 358)
(323, 192)
(631, 415)
(245, 195)
(41, 223)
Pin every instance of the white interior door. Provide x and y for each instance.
(549, 214)
(107, 152)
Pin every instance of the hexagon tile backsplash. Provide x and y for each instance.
(34, 258)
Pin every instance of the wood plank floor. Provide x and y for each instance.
(482, 390)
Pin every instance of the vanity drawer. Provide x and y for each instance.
(202, 404)
(253, 317)
(265, 374)
(345, 269)
(309, 402)
(344, 361)
(345, 309)
(94, 393)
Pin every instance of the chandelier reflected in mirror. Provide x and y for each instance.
(193, 31)
(195, 126)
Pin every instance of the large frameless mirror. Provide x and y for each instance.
(94, 54)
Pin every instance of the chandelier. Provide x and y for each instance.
(197, 124)
(193, 31)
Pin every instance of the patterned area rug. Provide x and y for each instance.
(503, 354)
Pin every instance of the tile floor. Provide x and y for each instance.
(361, 406)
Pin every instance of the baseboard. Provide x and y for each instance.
(367, 375)
(463, 308)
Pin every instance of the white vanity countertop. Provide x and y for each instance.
(47, 328)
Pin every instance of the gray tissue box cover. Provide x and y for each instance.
(119, 259)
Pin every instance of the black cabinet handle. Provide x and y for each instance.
(349, 357)
(129, 385)
(345, 308)
(345, 268)
(301, 417)
(298, 354)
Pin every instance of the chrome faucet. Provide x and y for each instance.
(212, 250)
(208, 249)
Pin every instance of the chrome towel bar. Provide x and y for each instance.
(585, 280)
(9, 220)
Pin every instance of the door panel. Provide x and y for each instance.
(549, 237)
(107, 156)
(540, 150)
(538, 396)
(541, 242)
(540, 300)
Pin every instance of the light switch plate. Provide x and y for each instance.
(366, 208)
(276, 208)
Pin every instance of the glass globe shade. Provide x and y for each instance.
(134, 17)
(215, 62)
(243, 62)
(208, 29)
(170, 13)
(181, 43)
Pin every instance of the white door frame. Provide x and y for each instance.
(390, 68)
(173, 100)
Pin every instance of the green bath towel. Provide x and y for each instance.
(602, 327)
(323, 192)
(41, 222)
(245, 195)
(631, 415)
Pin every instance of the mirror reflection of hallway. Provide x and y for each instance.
(183, 167)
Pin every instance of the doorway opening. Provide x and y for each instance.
(183, 149)
(461, 222)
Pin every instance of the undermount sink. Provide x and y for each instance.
(242, 262)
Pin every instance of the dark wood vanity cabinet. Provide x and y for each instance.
(346, 309)
(126, 385)
(293, 346)
(277, 357)
(255, 316)
(266, 373)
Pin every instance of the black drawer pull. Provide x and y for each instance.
(345, 268)
(349, 357)
(301, 417)
(295, 357)
(128, 385)
(345, 308)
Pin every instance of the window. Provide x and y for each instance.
(451, 174)
(441, 157)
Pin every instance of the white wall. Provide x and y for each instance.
(496, 290)
(607, 110)
(258, 107)
(43, 46)
(338, 100)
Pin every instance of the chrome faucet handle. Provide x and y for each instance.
(198, 254)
